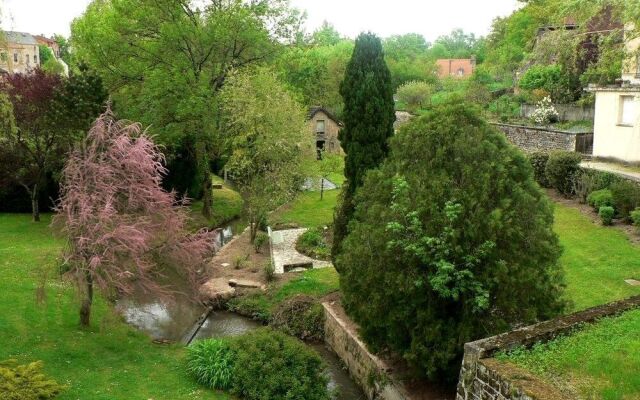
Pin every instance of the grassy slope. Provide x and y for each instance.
(600, 361)
(108, 361)
(315, 283)
(227, 206)
(308, 210)
(596, 259)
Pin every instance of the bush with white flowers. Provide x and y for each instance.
(545, 112)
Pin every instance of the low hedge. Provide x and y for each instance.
(539, 163)
(260, 365)
(599, 198)
(562, 170)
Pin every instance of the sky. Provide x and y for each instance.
(385, 17)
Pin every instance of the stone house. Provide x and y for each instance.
(458, 68)
(617, 116)
(50, 43)
(325, 128)
(19, 53)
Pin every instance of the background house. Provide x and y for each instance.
(325, 127)
(617, 116)
(20, 53)
(456, 67)
(50, 43)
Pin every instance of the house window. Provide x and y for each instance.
(320, 126)
(627, 114)
(35, 58)
(15, 57)
(27, 59)
(461, 72)
(3, 57)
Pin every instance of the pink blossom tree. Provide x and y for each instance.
(124, 231)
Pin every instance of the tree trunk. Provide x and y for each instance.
(85, 307)
(207, 198)
(35, 209)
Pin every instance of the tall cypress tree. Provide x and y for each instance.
(368, 123)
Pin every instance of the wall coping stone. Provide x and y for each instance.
(546, 330)
(541, 128)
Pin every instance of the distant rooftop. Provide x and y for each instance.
(20, 38)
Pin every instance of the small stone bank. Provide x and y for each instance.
(484, 378)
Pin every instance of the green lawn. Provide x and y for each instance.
(315, 283)
(108, 361)
(596, 259)
(308, 210)
(599, 361)
(227, 206)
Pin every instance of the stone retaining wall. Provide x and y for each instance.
(367, 370)
(532, 138)
(484, 378)
(566, 112)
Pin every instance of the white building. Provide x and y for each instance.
(617, 118)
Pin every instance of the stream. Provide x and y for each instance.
(173, 321)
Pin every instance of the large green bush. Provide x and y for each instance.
(211, 363)
(272, 365)
(626, 197)
(452, 241)
(301, 316)
(539, 163)
(26, 382)
(562, 170)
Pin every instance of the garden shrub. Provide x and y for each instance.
(599, 198)
(635, 217)
(259, 241)
(300, 316)
(434, 256)
(626, 197)
(562, 169)
(539, 163)
(269, 272)
(588, 181)
(272, 365)
(606, 214)
(313, 244)
(211, 363)
(26, 382)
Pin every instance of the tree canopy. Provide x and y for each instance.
(451, 241)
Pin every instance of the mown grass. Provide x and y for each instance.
(600, 361)
(315, 283)
(110, 360)
(307, 210)
(227, 206)
(596, 259)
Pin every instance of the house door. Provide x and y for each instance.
(319, 148)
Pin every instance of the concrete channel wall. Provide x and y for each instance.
(368, 371)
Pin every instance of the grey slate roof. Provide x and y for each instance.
(20, 38)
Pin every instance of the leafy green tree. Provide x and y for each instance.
(326, 35)
(368, 122)
(408, 59)
(63, 45)
(415, 94)
(451, 241)
(45, 54)
(458, 44)
(268, 139)
(164, 61)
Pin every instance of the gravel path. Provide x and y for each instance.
(285, 255)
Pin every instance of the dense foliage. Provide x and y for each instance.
(301, 316)
(26, 382)
(539, 163)
(368, 122)
(286, 367)
(451, 241)
(562, 169)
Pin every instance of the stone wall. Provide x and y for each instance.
(370, 372)
(484, 378)
(532, 138)
(566, 112)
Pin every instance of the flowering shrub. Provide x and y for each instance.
(545, 112)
